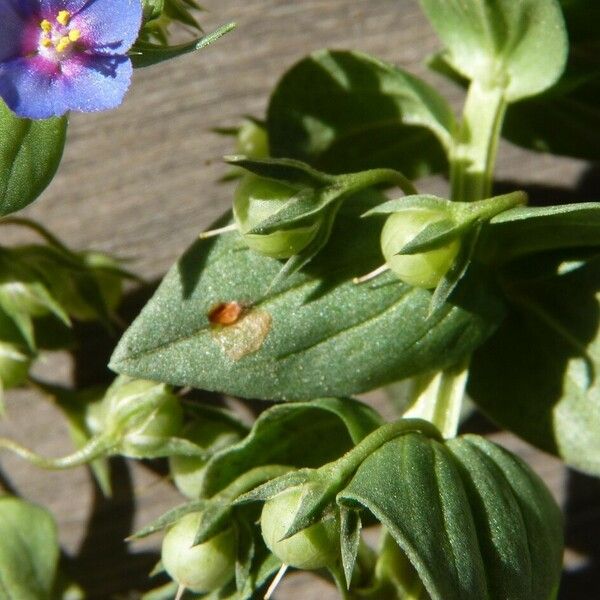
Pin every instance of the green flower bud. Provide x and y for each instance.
(141, 414)
(203, 568)
(256, 199)
(252, 140)
(424, 269)
(315, 547)
(188, 471)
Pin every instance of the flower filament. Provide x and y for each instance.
(58, 37)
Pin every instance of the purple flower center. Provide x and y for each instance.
(57, 39)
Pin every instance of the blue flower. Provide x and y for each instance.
(61, 55)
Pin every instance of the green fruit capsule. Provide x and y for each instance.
(188, 471)
(315, 547)
(203, 568)
(258, 198)
(424, 269)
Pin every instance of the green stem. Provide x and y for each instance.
(345, 467)
(366, 179)
(474, 153)
(95, 448)
(438, 398)
(487, 209)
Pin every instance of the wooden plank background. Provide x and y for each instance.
(142, 181)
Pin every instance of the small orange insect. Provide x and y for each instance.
(226, 313)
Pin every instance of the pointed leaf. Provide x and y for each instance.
(350, 526)
(145, 54)
(294, 172)
(167, 519)
(29, 156)
(282, 346)
(528, 230)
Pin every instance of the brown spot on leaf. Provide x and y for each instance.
(245, 335)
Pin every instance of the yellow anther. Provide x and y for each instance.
(74, 35)
(46, 26)
(63, 17)
(46, 43)
(62, 44)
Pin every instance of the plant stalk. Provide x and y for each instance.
(473, 155)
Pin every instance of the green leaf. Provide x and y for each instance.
(520, 47)
(28, 550)
(529, 230)
(538, 375)
(566, 119)
(145, 54)
(29, 156)
(283, 347)
(167, 519)
(293, 172)
(490, 531)
(350, 526)
(306, 434)
(346, 111)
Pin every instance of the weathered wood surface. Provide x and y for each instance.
(142, 182)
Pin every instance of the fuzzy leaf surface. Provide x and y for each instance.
(474, 520)
(282, 347)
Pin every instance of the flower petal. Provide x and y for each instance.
(31, 88)
(51, 8)
(95, 82)
(24, 9)
(34, 88)
(108, 26)
(12, 26)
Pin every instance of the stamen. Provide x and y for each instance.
(63, 17)
(371, 275)
(46, 26)
(46, 43)
(276, 581)
(63, 44)
(74, 35)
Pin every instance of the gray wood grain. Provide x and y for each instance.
(142, 181)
